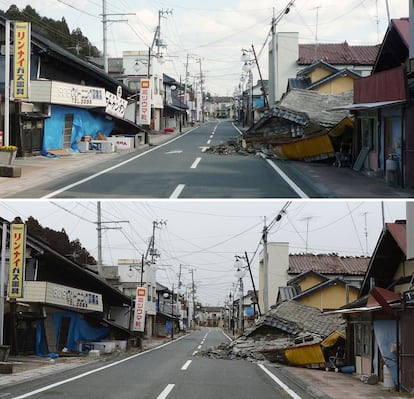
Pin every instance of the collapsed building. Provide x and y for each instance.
(290, 333)
(303, 126)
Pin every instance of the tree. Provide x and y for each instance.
(56, 31)
(60, 242)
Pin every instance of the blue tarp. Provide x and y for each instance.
(79, 330)
(386, 336)
(85, 123)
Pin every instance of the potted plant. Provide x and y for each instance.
(8, 154)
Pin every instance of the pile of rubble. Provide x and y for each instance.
(289, 326)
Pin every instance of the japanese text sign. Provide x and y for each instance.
(21, 62)
(139, 314)
(17, 259)
(145, 102)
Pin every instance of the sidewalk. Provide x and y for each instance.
(32, 367)
(39, 169)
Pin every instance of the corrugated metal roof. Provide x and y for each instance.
(327, 264)
(403, 27)
(399, 233)
(337, 54)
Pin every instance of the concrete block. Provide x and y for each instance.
(10, 171)
(94, 353)
(6, 368)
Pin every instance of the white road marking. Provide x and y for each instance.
(166, 391)
(240, 132)
(174, 152)
(178, 190)
(77, 377)
(208, 142)
(186, 365)
(195, 163)
(212, 136)
(199, 346)
(287, 179)
(194, 353)
(291, 393)
(102, 172)
(204, 149)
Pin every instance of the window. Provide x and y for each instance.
(362, 338)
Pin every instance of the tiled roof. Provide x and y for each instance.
(327, 264)
(292, 317)
(337, 54)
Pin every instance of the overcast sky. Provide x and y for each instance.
(216, 31)
(206, 235)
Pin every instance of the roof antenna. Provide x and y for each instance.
(316, 33)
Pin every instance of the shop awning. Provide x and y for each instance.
(367, 106)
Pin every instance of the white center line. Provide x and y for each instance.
(208, 141)
(212, 136)
(166, 391)
(195, 163)
(194, 353)
(178, 190)
(199, 346)
(186, 365)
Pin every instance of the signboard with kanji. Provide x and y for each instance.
(145, 102)
(139, 314)
(17, 259)
(21, 60)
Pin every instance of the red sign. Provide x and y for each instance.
(140, 303)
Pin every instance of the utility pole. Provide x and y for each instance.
(273, 73)
(193, 294)
(254, 286)
(241, 306)
(151, 246)
(185, 84)
(105, 21)
(99, 228)
(201, 88)
(265, 269)
(2, 277)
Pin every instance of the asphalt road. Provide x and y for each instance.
(172, 371)
(179, 168)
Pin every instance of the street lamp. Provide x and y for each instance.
(133, 267)
(238, 264)
(239, 276)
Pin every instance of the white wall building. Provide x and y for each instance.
(283, 57)
(138, 65)
(278, 264)
(131, 272)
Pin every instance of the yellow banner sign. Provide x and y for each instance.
(21, 59)
(17, 259)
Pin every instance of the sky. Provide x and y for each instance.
(204, 236)
(215, 32)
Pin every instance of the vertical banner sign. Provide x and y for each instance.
(17, 259)
(21, 60)
(140, 302)
(145, 102)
